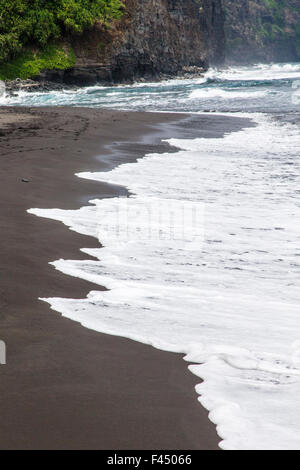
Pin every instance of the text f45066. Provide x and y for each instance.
(2, 353)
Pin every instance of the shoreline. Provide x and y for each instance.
(66, 387)
(45, 85)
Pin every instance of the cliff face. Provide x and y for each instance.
(162, 38)
(262, 30)
(153, 39)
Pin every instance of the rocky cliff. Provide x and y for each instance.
(162, 38)
(155, 38)
(262, 30)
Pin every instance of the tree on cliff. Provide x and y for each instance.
(38, 21)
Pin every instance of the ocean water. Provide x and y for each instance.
(237, 89)
(203, 258)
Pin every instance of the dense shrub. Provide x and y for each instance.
(29, 63)
(38, 21)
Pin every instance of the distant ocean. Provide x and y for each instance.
(204, 257)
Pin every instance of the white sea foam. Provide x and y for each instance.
(232, 304)
(207, 93)
(2, 92)
(258, 72)
(2, 88)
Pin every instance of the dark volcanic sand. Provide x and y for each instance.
(66, 387)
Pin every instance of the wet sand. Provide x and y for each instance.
(64, 386)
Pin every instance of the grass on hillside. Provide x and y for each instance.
(29, 64)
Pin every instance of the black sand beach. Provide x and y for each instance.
(66, 387)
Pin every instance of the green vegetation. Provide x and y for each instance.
(28, 64)
(266, 28)
(273, 29)
(31, 24)
(279, 23)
